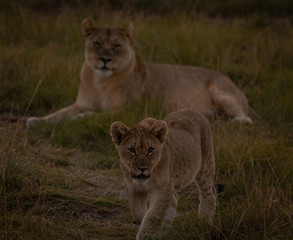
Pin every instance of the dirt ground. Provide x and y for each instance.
(83, 203)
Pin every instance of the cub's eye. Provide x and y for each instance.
(97, 44)
(150, 150)
(117, 46)
(131, 150)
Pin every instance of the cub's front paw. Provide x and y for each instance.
(146, 234)
(143, 237)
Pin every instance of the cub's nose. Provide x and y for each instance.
(105, 60)
(142, 169)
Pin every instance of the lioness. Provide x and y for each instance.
(113, 76)
(159, 158)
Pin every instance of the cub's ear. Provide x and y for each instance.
(128, 30)
(159, 129)
(87, 27)
(118, 131)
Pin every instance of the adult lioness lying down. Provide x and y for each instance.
(112, 77)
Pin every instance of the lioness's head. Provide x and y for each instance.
(140, 147)
(107, 50)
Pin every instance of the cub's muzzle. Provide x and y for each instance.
(141, 176)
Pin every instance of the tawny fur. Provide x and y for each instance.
(167, 155)
(113, 77)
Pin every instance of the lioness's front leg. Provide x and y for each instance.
(64, 113)
(160, 204)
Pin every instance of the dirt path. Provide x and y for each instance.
(64, 199)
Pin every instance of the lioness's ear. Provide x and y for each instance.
(118, 131)
(159, 129)
(128, 30)
(87, 27)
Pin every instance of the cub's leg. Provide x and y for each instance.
(171, 211)
(204, 178)
(64, 113)
(207, 194)
(235, 106)
(160, 204)
(138, 205)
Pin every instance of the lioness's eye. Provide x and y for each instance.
(132, 150)
(150, 150)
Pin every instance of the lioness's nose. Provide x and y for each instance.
(105, 60)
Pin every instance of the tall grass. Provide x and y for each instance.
(63, 181)
(257, 59)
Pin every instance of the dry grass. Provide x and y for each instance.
(63, 181)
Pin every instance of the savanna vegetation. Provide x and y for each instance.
(63, 181)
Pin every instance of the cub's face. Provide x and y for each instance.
(107, 50)
(139, 148)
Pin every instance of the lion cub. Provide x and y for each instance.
(158, 158)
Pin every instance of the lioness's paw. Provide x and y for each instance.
(82, 115)
(242, 120)
(32, 121)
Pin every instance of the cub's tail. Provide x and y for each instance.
(219, 188)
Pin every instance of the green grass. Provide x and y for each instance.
(63, 181)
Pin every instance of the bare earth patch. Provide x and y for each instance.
(49, 183)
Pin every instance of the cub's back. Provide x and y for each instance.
(188, 120)
(187, 130)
